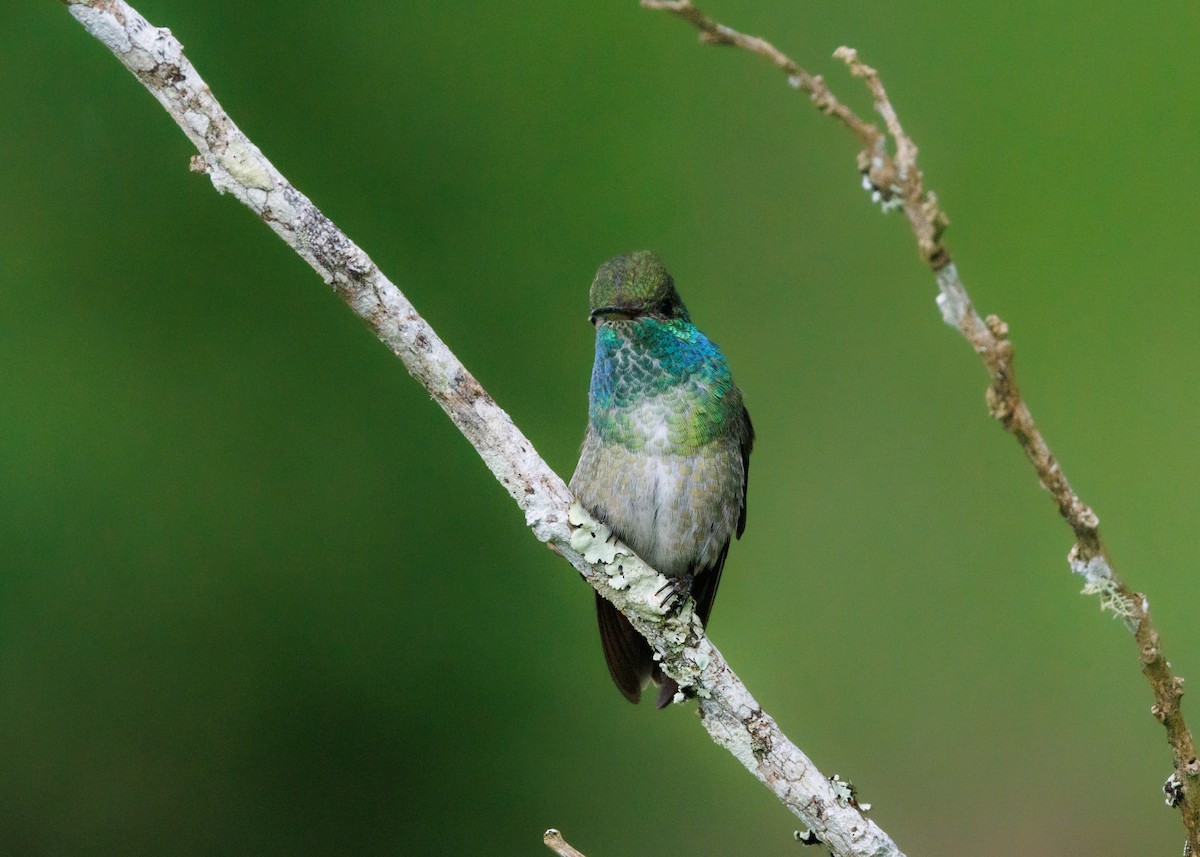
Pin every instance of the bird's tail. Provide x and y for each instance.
(629, 657)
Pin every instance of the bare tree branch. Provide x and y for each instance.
(236, 166)
(895, 181)
(555, 842)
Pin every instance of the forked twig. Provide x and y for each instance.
(895, 181)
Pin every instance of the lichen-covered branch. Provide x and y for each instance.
(890, 173)
(236, 166)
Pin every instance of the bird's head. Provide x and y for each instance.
(635, 286)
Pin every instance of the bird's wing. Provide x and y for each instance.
(706, 581)
(747, 433)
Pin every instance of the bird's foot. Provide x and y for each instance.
(669, 595)
(674, 593)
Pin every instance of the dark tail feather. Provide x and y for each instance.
(667, 688)
(704, 587)
(628, 655)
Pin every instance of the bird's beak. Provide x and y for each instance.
(609, 313)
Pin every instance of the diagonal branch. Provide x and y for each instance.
(236, 166)
(895, 181)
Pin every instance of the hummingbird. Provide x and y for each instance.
(666, 456)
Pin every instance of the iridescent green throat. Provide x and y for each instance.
(660, 386)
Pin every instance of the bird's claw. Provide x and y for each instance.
(673, 594)
(668, 594)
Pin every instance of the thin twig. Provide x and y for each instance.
(555, 842)
(235, 166)
(714, 33)
(886, 175)
(894, 179)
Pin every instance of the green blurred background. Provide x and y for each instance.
(259, 597)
